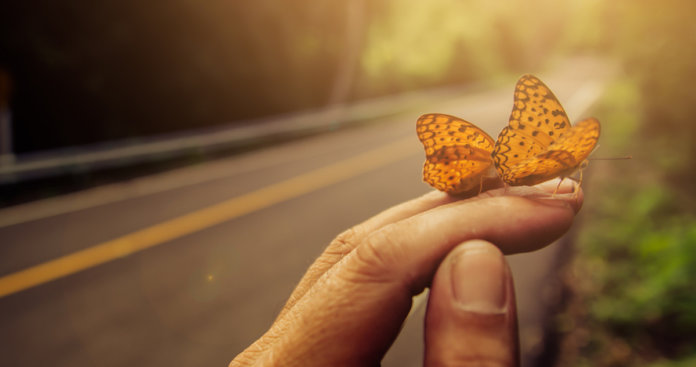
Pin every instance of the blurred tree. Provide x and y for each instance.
(92, 71)
(657, 43)
(415, 44)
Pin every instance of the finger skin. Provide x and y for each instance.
(411, 249)
(475, 329)
(349, 240)
(354, 310)
(338, 249)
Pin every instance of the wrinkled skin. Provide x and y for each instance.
(350, 305)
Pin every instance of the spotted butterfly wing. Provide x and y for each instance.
(539, 143)
(458, 153)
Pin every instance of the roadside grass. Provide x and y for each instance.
(632, 276)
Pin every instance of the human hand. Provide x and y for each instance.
(349, 306)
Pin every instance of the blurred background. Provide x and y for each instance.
(120, 116)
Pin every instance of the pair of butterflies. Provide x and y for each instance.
(539, 144)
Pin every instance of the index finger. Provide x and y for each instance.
(350, 239)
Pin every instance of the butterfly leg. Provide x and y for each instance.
(558, 187)
(579, 182)
(576, 187)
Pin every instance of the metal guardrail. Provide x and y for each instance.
(232, 135)
(244, 133)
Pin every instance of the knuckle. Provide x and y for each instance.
(346, 241)
(377, 255)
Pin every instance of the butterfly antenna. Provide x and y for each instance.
(611, 158)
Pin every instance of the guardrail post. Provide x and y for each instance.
(6, 154)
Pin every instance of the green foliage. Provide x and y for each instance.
(657, 44)
(415, 44)
(636, 253)
(648, 279)
(635, 267)
(688, 362)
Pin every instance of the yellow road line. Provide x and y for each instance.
(204, 218)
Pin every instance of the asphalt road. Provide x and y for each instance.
(159, 273)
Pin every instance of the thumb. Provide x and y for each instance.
(471, 318)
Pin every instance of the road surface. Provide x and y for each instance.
(188, 267)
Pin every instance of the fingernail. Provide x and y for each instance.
(479, 278)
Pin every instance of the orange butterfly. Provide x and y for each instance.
(457, 153)
(539, 144)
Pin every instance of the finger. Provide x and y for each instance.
(471, 316)
(514, 223)
(557, 186)
(355, 310)
(348, 240)
(345, 242)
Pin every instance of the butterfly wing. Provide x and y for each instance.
(562, 158)
(458, 153)
(580, 140)
(536, 121)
